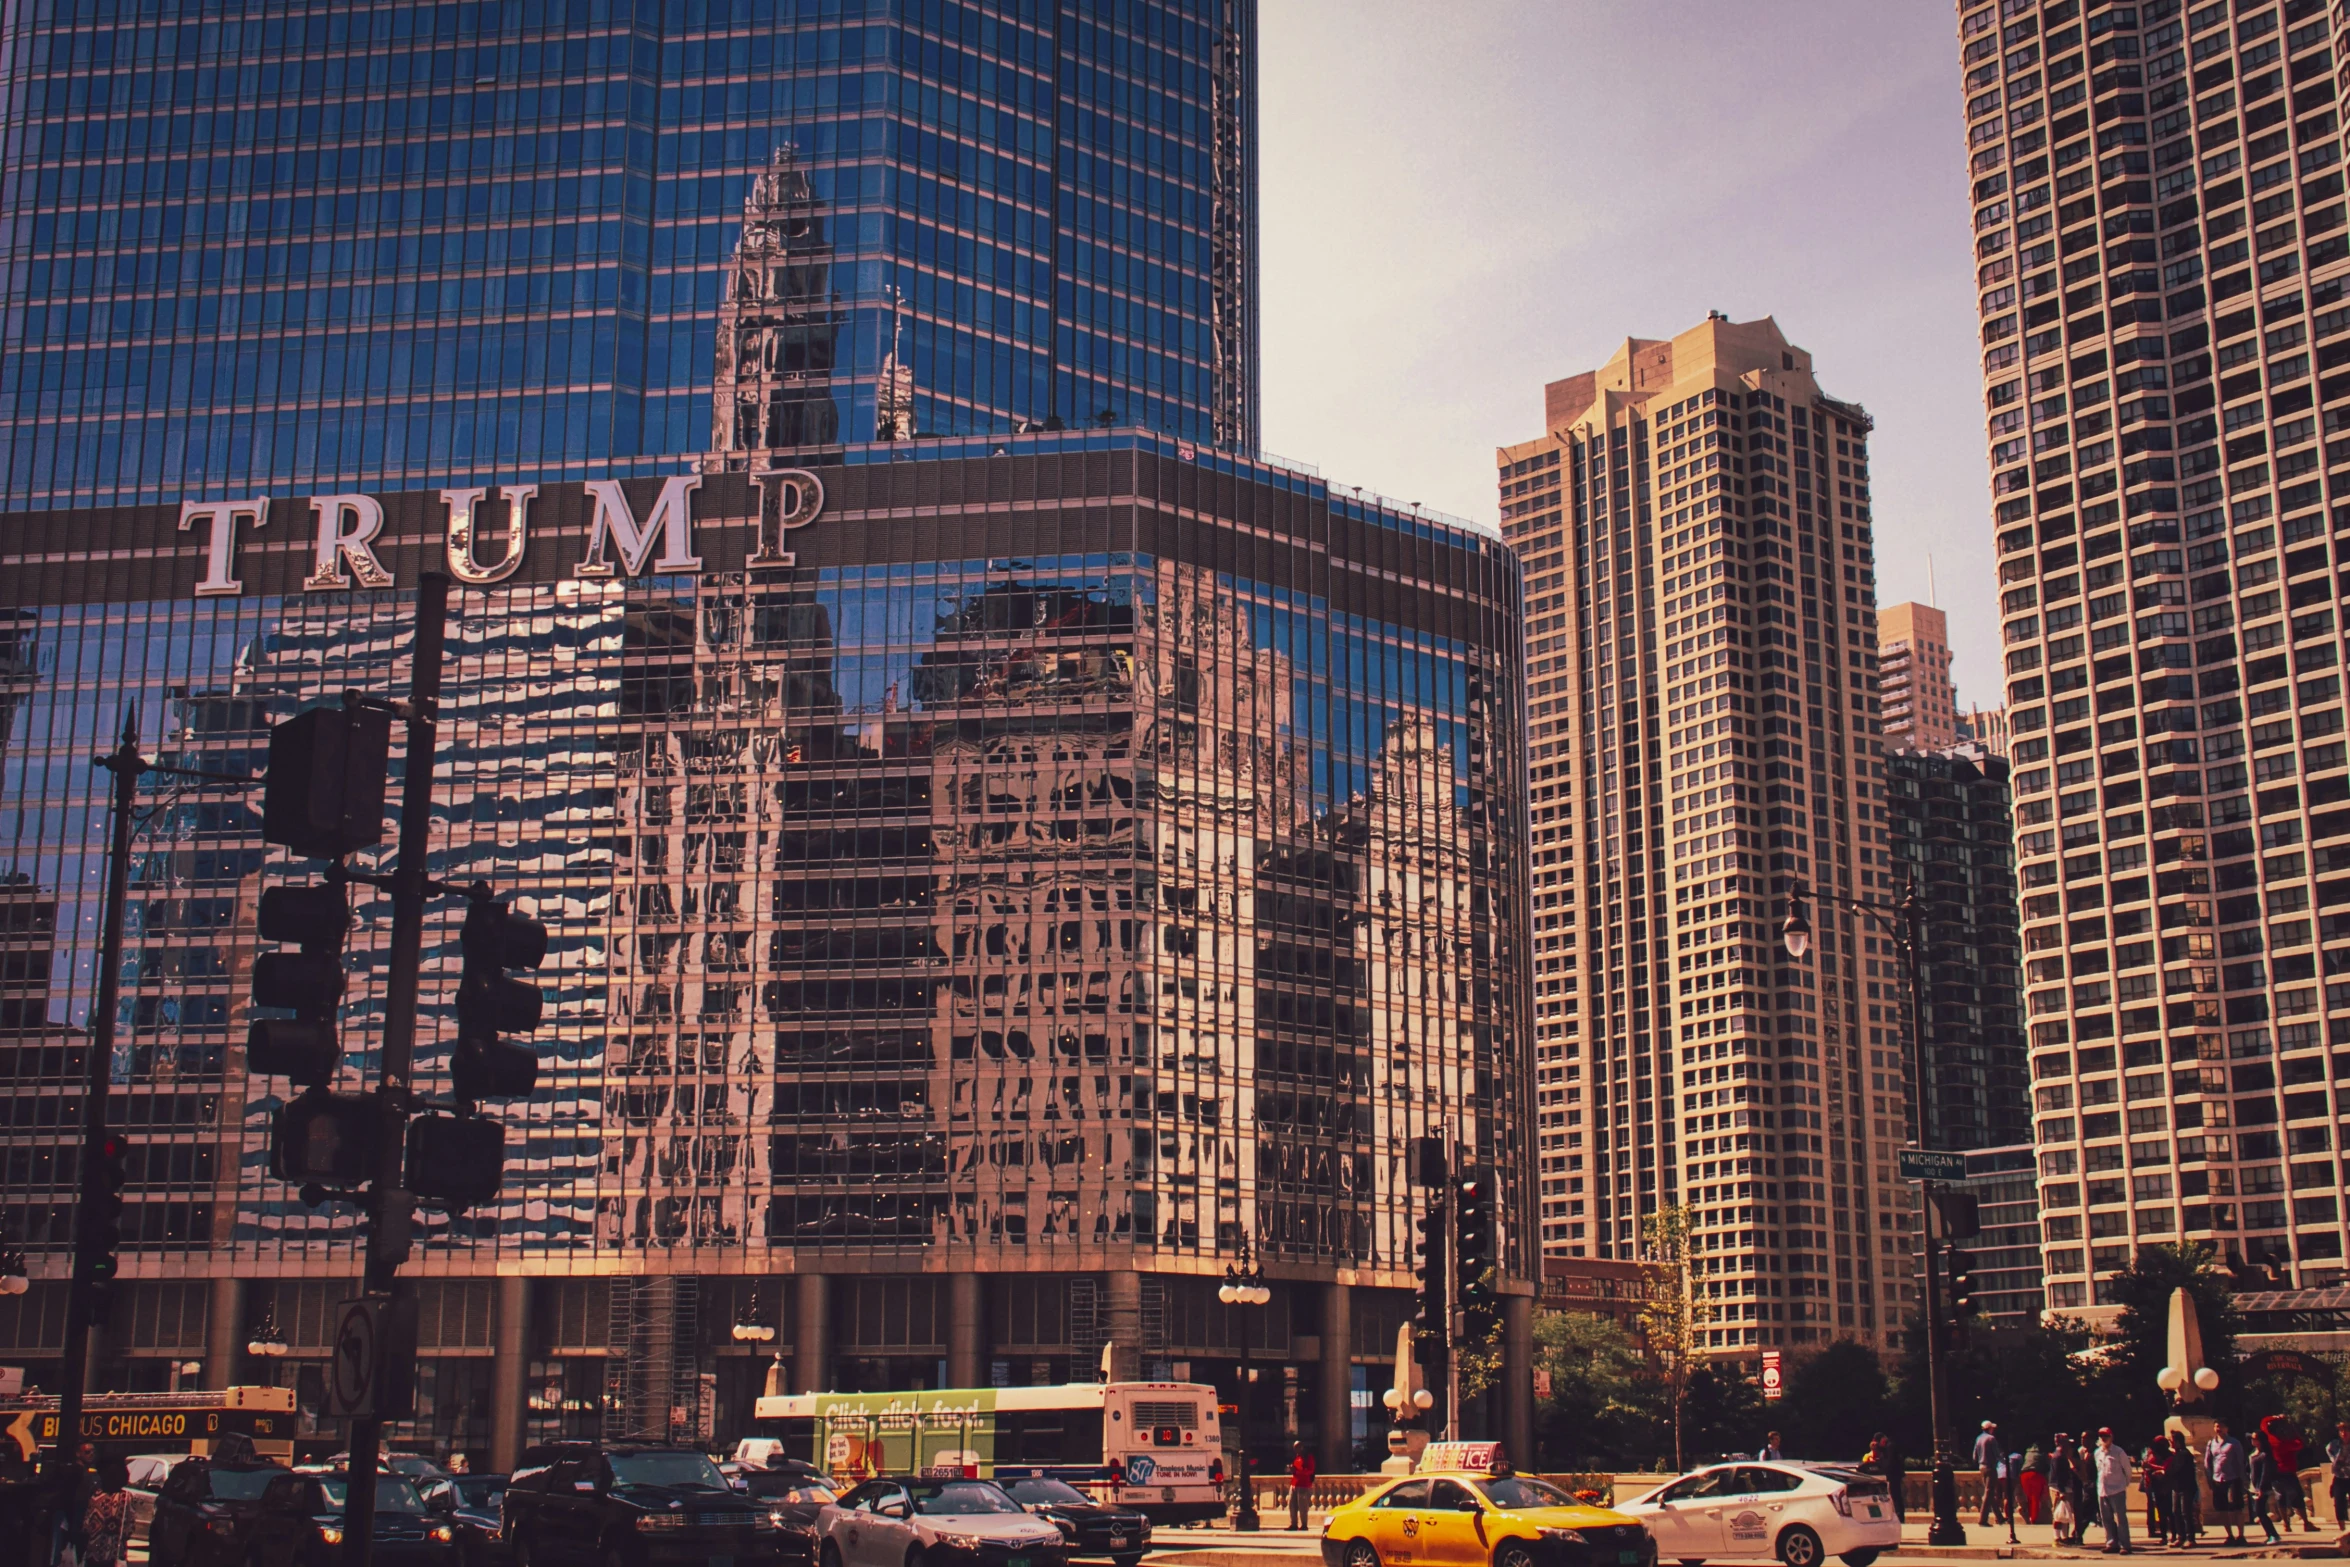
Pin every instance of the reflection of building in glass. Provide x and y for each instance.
(779, 325)
(1077, 864)
(487, 247)
(1696, 533)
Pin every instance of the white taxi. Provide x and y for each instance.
(1800, 1513)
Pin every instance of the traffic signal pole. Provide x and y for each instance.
(388, 1236)
(126, 764)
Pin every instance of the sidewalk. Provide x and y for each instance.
(1218, 1545)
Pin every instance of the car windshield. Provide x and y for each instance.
(962, 1496)
(393, 1493)
(1519, 1491)
(683, 1471)
(1034, 1491)
(480, 1493)
(241, 1485)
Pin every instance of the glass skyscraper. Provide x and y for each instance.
(336, 246)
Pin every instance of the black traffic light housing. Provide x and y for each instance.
(489, 1004)
(1962, 1282)
(1473, 1239)
(455, 1163)
(307, 982)
(323, 795)
(98, 1238)
(1432, 1314)
(325, 1142)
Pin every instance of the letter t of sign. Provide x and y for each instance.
(220, 540)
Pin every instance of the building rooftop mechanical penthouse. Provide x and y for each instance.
(2161, 248)
(1702, 647)
(1077, 855)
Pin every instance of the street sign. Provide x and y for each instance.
(1919, 1164)
(1773, 1382)
(372, 1372)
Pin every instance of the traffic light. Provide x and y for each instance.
(323, 795)
(325, 1141)
(1473, 1240)
(1962, 1282)
(455, 1162)
(99, 1238)
(489, 1004)
(308, 983)
(1433, 1314)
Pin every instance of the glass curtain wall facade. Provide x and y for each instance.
(333, 246)
(1081, 861)
(2161, 248)
(1702, 739)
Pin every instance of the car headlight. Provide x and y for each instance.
(957, 1542)
(442, 1532)
(1566, 1536)
(654, 1523)
(490, 1531)
(331, 1533)
(1068, 1530)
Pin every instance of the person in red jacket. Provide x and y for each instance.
(1301, 1484)
(2285, 1443)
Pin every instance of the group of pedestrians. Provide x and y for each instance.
(2252, 1479)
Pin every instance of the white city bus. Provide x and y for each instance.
(1152, 1446)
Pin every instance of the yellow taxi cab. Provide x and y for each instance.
(1473, 1518)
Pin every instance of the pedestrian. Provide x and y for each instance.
(1988, 1452)
(2186, 1492)
(1882, 1462)
(2225, 1463)
(2260, 1485)
(2035, 1484)
(2338, 1466)
(106, 1519)
(2061, 1488)
(2292, 1496)
(2113, 1492)
(2154, 1480)
(1301, 1484)
(1771, 1452)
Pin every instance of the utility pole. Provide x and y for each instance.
(394, 1216)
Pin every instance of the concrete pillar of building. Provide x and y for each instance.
(509, 1378)
(1124, 1325)
(966, 1331)
(1337, 1454)
(811, 1334)
(224, 1335)
(1517, 1379)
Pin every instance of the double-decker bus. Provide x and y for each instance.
(1151, 1446)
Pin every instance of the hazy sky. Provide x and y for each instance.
(1465, 199)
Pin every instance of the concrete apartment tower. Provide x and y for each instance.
(1921, 704)
(1702, 636)
(2160, 243)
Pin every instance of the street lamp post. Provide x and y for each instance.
(1905, 922)
(1244, 1285)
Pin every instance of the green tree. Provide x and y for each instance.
(1724, 1412)
(2122, 1387)
(1836, 1400)
(2023, 1377)
(1604, 1406)
(1672, 1318)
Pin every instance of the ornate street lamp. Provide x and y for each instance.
(1244, 1285)
(266, 1342)
(752, 1327)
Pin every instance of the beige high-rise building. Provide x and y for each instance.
(1703, 738)
(2161, 250)
(1921, 704)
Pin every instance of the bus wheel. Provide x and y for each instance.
(1361, 1553)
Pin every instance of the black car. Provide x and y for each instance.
(1088, 1527)
(205, 1512)
(475, 1505)
(626, 1505)
(303, 1517)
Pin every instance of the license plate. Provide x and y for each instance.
(1117, 1542)
(1873, 1512)
(1016, 1561)
(1628, 1558)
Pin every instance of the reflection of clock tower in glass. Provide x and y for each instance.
(779, 326)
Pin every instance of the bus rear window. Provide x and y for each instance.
(1048, 1436)
(797, 1434)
